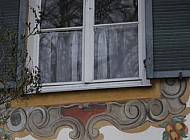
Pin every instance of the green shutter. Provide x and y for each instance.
(22, 20)
(12, 18)
(9, 20)
(168, 54)
(9, 11)
(22, 30)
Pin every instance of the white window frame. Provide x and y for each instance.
(88, 53)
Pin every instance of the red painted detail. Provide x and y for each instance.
(83, 115)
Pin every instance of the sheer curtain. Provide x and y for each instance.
(60, 56)
(116, 52)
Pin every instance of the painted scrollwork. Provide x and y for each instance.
(157, 109)
(173, 88)
(122, 115)
(136, 112)
(18, 120)
(44, 121)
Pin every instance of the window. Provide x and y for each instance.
(89, 44)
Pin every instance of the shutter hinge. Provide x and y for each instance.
(180, 75)
(145, 63)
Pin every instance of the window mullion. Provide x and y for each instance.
(88, 40)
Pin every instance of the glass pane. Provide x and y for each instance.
(116, 52)
(61, 56)
(115, 11)
(61, 13)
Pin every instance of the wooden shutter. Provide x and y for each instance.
(168, 44)
(12, 17)
(9, 20)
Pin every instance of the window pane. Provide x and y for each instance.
(116, 52)
(61, 13)
(115, 11)
(61, 56)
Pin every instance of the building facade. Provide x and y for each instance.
(110, 69)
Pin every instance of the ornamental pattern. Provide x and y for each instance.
(44, 121)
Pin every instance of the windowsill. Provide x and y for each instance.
(95, 85)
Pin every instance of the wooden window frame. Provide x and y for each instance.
(87, 59)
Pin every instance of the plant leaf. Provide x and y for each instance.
(177, 119)
(182, 133)
(2, 132)
(165, 136)
(164, 124)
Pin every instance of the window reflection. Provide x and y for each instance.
(61, 13)
(115, 11)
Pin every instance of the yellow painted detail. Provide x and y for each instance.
(105, 95)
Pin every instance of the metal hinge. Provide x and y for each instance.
(145, 63)
(180, 75)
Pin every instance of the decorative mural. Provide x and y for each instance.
(5, 134)
(86, 119)
(175, 129)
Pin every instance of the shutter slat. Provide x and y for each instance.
(171, 35)
(9, 10)
(9, 19)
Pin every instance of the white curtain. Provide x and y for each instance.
(61, 56)
(116, 52)
(102, 56)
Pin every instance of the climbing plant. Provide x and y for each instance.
(18, 77)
